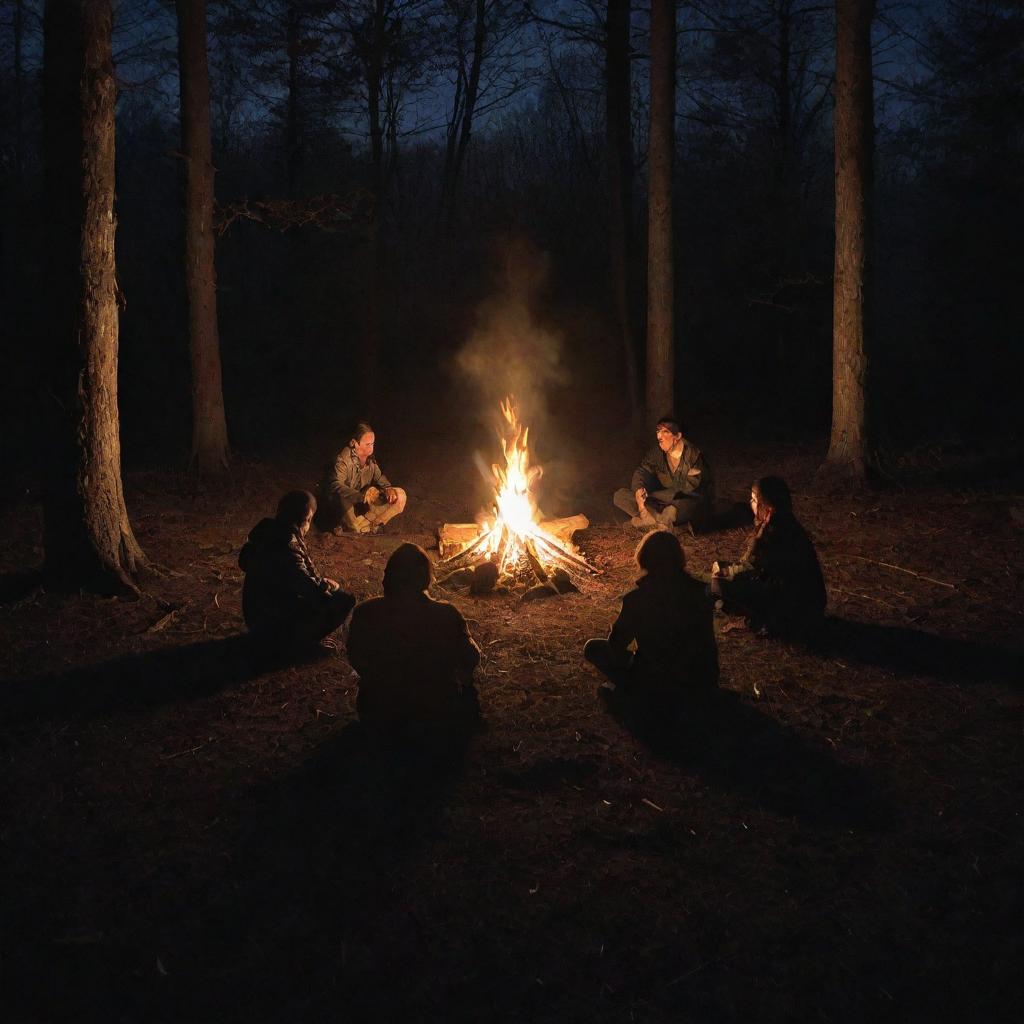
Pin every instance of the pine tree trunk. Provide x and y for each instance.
(619, 160)
(850, 448)
(88, 539)
(210, 450)
(660, 272)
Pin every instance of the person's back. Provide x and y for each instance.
(414, 655)
(671, 618)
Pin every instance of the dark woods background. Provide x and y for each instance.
(753, 202)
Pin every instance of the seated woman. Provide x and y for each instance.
(778, 584)
(414, 655)
(354, 494)
(669, 616)
(672, 485)
(288, 606)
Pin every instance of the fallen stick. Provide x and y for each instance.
(899, 568)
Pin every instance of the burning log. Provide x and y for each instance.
(522, 548)
(453, 537)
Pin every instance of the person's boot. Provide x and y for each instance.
(354, 523)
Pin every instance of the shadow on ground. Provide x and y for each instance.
(740, 749)
(914, 652)
(299, 905)
(135, 681)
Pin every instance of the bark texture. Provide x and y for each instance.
(660, 271)
(619, 159)
(850, 446)
(88, 539)
(210, 449)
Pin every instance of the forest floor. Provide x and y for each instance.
(188, 837)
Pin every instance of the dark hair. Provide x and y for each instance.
(672, 422)
(775, 492)
(408, 570)
(359, 428)
(660, 553)
(293, 508)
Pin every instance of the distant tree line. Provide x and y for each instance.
(314, 225)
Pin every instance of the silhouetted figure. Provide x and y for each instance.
(669, 616)
(355, 495)
(778, 584)
(414, 655)
(288, 606)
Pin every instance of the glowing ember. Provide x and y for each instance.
(515, 539)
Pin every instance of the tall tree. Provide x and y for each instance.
(850, 450)
(619, 162)
(660, 268)
(88, 538)
(210, 450)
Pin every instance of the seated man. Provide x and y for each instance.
(414, 655)
(288, 606)
(354, 494)
(778, 584)
(672, 485)
(669, 616)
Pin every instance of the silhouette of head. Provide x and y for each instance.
(408, 571)
(775, 493)
(296, 509)
(659, 554)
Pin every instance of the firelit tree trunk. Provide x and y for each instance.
(210, 451)
(619, 154)
(850, 448)
(87, 536)
(660, 274)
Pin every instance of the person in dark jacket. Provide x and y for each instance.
(673, 484)
(778, 584)
(414, 655)
(669, 617)
(355, 495)
(287, 604)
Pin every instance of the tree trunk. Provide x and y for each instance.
(88, 539)
(19, 95)
(660, 273)
(210, 450)
(369, 349)
(458, 153)
(619, 159)
(850, 447)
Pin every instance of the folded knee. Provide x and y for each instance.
(400, 498)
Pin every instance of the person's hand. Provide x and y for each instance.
(332, 585)
(391, 494)
(370, 495)
(641, 498)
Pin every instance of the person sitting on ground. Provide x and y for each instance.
(778, 584)
(673, 484)
(670, 619)
(354, 494)
(415, 656)
(288, 606)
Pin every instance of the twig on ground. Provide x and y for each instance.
(899, 568)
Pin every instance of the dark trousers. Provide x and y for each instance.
(687, 510)
(308, 626)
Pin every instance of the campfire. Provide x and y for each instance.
(512, 547)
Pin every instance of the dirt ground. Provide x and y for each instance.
(187, 837)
